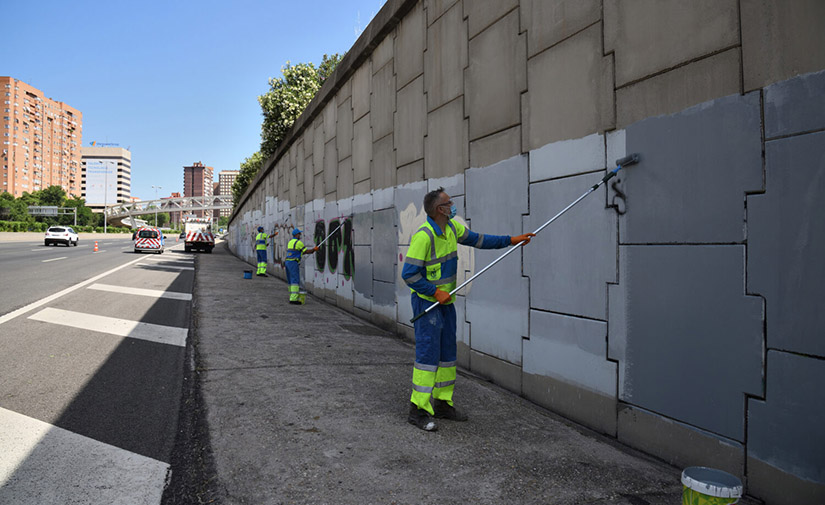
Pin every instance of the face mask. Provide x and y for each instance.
(453, 211)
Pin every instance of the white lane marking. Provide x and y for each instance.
(154, 293)
(37, 454)
(43, 301)
(44, 248)
(172, 335)
(54, 259)
(168, 267)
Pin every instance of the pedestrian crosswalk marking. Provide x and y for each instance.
(99, 472)
(154, 293)
(171, 335)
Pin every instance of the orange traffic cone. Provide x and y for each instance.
(95, 246)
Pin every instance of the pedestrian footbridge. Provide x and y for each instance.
(119, 214)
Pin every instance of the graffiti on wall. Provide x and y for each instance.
(337, 253)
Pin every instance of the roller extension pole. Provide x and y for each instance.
(620, 163)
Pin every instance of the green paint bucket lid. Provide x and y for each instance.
(712, 482)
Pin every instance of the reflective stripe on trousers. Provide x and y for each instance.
(261, 253)
(293, 277)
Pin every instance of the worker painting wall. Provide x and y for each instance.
(678, 307)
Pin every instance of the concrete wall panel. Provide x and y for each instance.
(548, 22)
(778, 40)
(361, 81)
(481, 14)
(362, 280)
(411, 122)
(383, 171)
(499, 301)
(382, 107)
(496, 147)
(785, 430)
(667, 32)
(578, 249)
(410, 42)
(383, 53)
(318, 148)
(795, 106)
(570, 80)
(329, 120)
(330, 167)
(446, 148)
(495, 77)
(362, 148)
(343, 136)
(786, 243)
(695, 168)
(345, 186)
(697, 82)
(694, 340)
(445, 58)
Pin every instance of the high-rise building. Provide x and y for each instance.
(197, 181)
(106, 176)
(226, 178)
(41, 141)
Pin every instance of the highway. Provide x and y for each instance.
(91, 366)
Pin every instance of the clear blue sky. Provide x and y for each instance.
(174, 81)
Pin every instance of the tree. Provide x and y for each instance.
(287, 98)
(249, 169)
(281, 106)
(53, 196)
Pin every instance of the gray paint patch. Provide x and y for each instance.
(785, 431)
(795, 106)
(384, 245)
(786, 243)
(694, 340)
(695, 169)
(572, 260)
(499, 301)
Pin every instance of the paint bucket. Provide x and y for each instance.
(302, 297)
(247, 274)
(708, 486)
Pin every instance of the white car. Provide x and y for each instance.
(61, 235)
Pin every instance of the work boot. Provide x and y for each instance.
(444, 410)
(262, 275)
(421, 418)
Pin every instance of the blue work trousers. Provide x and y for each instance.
(434, 333)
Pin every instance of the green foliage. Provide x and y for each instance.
(249, 169)
(286, 100)
(16, 210)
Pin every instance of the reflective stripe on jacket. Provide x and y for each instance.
(260, 240)
(432, 258)
(294, 249)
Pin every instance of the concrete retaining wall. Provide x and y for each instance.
(679, 309)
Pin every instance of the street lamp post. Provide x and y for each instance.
(156, 203)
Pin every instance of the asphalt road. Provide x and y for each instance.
(91, 367)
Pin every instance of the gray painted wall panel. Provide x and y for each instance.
(499, 302)
(696, 167)
(694, 340)
(570, 349)
(795, 106)
(786, 243)
(384, 245)
(785, 431)
(578, 249)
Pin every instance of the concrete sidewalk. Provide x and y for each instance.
(308, 405)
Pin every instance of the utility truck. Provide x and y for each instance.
(199, 235)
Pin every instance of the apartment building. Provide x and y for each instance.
(106, 176)
(197, 181)
(225, 180)
(41, 141)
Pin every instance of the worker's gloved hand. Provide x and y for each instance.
(522, 238)
(315, 249)
(443, 297)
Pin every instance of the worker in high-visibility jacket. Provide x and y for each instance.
(295, 249)
(430, 270)
(261, 243)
